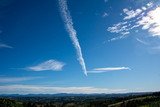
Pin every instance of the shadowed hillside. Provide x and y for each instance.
(73, 100)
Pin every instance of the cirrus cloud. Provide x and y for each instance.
(16, 79)
(146, 17)
(51, 65)
(131, 13)
(5, 46)
(151, 22)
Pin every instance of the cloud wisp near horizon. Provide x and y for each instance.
(4, 79)
(35, 89)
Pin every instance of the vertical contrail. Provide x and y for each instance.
(72, 32)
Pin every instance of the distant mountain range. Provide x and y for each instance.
(72, 94)
(145, 99)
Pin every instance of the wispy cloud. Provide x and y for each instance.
(151, 22)
(131, 13)
(105, 14)
(146, 17)
(141, 41)
(33, 89)
(72, 32)
(5, 46)
(105, 1)
(120, 28)
(52, 65)
(117, 38)
(134, 13)
(16, 79)
(108, 69)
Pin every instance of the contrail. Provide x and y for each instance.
(108, 69)
(72, 32)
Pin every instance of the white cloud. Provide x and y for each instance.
(72, 32)
(52, 65)
(16, 79)
(144, 8)
(5, 46)
(118, 28)
(146, 17)
(105, 15)
(151, 22)
(117, 38)
(149, 5)
(131, 13)
(32, 89)
(108, 69)
(125, 33)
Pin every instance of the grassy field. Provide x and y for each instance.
(148, 101)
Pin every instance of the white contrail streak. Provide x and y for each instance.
(72, 32)
(108, 69)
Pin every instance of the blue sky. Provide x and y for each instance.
(72, 46)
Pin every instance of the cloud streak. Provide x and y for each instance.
(16, 79)
(72, 32)
(141, 41)
(108, 69)
(51, 64)
(33, 89)
(5, 46)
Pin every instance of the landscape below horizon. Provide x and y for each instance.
(150, 99)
